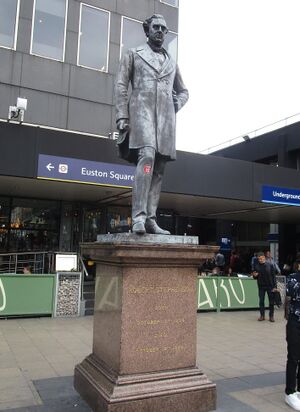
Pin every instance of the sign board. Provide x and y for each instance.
(281, 195)
(26, 294)
(217, 293)
(84, 171)
(66, 262)
(225, 243)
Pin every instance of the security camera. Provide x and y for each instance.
(17, 112)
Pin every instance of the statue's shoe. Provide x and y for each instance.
(152, 227)
(139, 228)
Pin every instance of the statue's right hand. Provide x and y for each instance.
(123, 124)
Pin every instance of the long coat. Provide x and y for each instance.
(158, 92)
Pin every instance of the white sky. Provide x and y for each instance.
(240, 60)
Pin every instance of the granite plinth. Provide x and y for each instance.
(144, 346)
(147, 238)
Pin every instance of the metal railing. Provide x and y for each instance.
(40, 262)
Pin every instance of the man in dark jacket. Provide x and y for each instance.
(292, 314)
(264, 272)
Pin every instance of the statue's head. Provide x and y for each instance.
(155, 29)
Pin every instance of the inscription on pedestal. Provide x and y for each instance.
(159, 321)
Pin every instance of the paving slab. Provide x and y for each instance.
(244, 357)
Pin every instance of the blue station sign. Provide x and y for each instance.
(281, 195)
(84, 171)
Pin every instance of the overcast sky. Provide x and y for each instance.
(240, 60)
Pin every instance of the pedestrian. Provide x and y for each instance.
(264, 273)
(220, 261)
(147, 117)
(292, 314)
(27, 270)
(254, 261)
(269, 258)
(235, 262)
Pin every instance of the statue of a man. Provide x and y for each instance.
(146, 117)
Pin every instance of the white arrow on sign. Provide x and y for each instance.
(49, 167)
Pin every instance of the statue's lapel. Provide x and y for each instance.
(148, 55)
(168, 65)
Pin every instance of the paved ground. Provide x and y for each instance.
(244, 357)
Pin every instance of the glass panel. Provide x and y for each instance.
(4, 212)
(94, 30)
(34, 225)
(119, 220)
(31, 240)
(35, 214)
(92, 225)
(49, 28)
(133, 36)
(171, 43)
(170, 2)
(8, 12)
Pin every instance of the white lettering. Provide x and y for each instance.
(285, 195)
(120, 176)
(111, 295)
(226, 293)
(242, 301)
(93, 173)
(3, 296)
(208, 298)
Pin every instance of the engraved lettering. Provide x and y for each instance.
(142, 290)
(156, 349)
(161, 307)
(161, 335)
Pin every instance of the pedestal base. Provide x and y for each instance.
(144, 345)
(186, 389)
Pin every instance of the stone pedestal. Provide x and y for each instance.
(144, 346)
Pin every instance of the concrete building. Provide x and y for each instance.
(61, 181)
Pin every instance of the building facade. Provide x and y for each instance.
(62, 56)
(61, 181)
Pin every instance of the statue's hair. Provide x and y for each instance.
(148, 21)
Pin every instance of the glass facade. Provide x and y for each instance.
(8, 23)
(29, 225)
(93, 38)
(133, 36)
(118, 219)
(49, 25)
(92, 224)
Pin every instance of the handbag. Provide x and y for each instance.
(277, 298)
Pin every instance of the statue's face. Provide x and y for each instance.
(157, 32)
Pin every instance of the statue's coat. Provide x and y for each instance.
(151, 106)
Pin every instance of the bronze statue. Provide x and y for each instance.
(146, 119)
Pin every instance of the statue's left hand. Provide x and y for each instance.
(123, 124)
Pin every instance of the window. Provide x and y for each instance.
(93, 38)
(173, 3)
(133, 35)
(171, 44)
(9, 13)
(49, 28)
(34, 225)
(118, 219)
